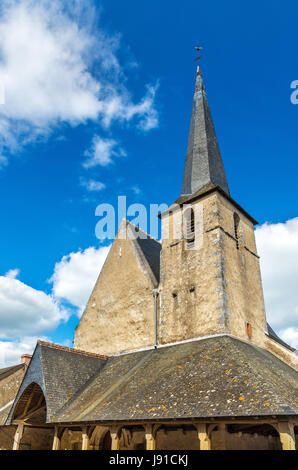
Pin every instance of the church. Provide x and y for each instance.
(173, 350)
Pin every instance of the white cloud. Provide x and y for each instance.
(3, 161)
(92, 185)
(136, 190)
(13, 273)
(44, 70)
(75, 275)
(120, 107)
(278, 247)
(290, 336)
(11, 351)
(102, 152)
(57, 66)
(27, 311)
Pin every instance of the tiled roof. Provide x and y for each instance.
(215, 377)
(71, 350)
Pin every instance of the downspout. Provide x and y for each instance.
(155, 293)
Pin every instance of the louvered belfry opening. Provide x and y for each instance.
(31, 406)
(189, 219)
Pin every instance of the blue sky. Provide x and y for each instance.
(137, 58)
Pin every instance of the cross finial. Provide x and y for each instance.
(198, 49)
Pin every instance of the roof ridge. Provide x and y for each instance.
(122, 380)
(72, 350)
(140, 230)
(7, 371)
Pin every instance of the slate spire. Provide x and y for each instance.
(203, 163)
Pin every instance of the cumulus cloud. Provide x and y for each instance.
(13, 273)
(278, 247)
(27, 311)
(57, 66)
(75, 275)
(290, 336)
(28, 314)
(102, 152)
(11, 351)
(92, 185)
(121, 107)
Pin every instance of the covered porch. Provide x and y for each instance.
(254, 434)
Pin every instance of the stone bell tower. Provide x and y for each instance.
(210, 274)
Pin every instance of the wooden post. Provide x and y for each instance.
(287, 435)
(221, 445)
(150, 437)
(85, 438)
(205, 441)
(56, 440)
(18, 437)
(115, 436)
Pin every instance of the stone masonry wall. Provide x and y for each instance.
(215, 288)
(9, 387)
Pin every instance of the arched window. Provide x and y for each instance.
(189, 232)
(236, 228)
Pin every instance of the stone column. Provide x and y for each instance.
(150, 436)
(287, 435)
(85, 438)
(205, 441)
(115, 435)
(18, 437)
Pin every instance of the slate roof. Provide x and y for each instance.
(214, 377)
(60, 372)
(10, 370)
(148, 246)
(203, 159)
(151, 250)
(5, 407)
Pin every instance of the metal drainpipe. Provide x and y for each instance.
(155, 292)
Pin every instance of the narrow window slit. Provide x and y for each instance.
(236, 229)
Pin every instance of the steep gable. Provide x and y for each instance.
(59, 372)
(120, 314)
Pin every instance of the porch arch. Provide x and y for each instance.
(31, 406)
(29, 414)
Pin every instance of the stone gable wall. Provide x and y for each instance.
(119, 315)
